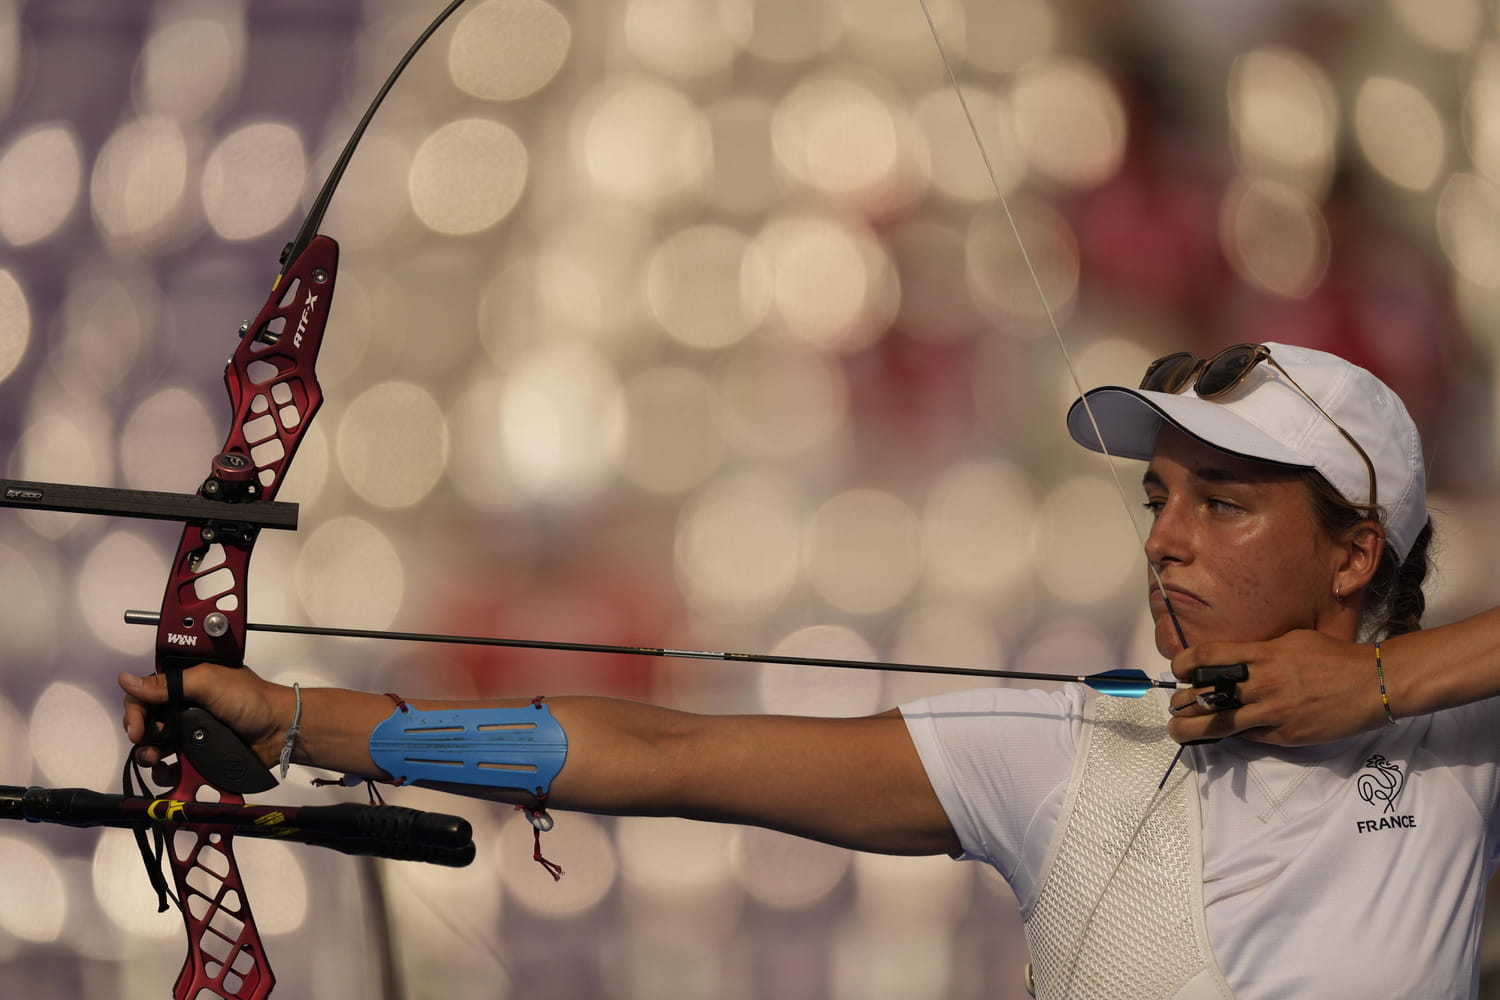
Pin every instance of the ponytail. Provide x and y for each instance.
(1396, 601)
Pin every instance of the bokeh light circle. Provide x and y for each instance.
(863, 551)
(737, 546)
(833, 283)
(563, 421)
(1400, 132)
(253, 179)
(34, 906)
(973, 515)
(349, 573)
(393, 444)
(1070, 121)
(505, 50)
(41, 174)
(708, 286)
(74, 738)
(467, 175)
(1082, 558)
(139, 181)
(1275, 237)
(15, 324)
(644, 142)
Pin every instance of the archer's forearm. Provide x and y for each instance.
(616, 758)
(1438, 668)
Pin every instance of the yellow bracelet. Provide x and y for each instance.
(1384, 698)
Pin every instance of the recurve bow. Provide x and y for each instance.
(273, 395)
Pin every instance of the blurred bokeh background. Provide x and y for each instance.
(692, 323)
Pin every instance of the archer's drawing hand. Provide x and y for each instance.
(256, 709)
(1304, 688)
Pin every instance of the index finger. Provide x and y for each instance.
(1209, 727)
(1210, 654)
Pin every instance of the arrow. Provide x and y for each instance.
(1124, 683)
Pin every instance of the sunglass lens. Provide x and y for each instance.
(1226, 370)
(1169, 374)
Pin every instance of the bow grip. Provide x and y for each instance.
(219, 754)
(215, 750)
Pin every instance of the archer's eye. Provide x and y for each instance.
(1154, 506)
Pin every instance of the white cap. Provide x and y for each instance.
(1266, 418)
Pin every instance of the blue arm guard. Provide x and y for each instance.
(500, 747)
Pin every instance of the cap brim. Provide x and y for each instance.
(1130, 419)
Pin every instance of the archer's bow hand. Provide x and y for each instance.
(334, 728)
(1304, 688)
(257, 710)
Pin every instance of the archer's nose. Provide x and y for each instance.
(1170, 538)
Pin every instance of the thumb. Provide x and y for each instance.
(151, 689)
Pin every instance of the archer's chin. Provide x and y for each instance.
(1167, 643)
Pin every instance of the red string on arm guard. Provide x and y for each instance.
(540, 821)
(537, 815)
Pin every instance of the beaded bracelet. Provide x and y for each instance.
(1385, 699)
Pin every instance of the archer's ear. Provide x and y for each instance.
(1363, 547)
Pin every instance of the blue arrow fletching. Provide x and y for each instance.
(1120, 683)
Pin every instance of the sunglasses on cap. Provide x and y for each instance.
(1216, 377)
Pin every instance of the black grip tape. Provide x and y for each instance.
(393, 832)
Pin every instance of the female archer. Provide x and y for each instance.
(1289, 533)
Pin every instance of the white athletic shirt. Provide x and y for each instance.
(1356, 869)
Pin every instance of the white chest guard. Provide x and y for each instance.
(1120, 912)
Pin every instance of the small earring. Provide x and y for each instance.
(1338, 592)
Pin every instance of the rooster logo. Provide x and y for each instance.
(1381, 781)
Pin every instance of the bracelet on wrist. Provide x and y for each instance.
(1385, 698)
(295, 728)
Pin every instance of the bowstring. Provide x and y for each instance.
(1062, 344)
(1109, 458)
